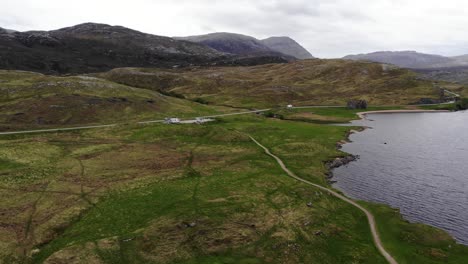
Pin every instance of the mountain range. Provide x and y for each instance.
(249, 46)
(429, 66)
(412, 59)
(92, 47)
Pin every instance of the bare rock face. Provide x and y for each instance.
(288, 46)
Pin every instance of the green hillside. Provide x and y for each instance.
(34, 100)
(308, 82)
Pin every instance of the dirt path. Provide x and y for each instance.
(370, 217)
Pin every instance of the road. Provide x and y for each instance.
(370, 217)
(55, 129)
(161, 121)
(114, 125)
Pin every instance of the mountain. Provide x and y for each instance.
(288, 46)
(237, 44)
(404, 59)
(92, 47)
(6, 31)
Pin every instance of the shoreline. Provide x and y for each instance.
(362, 115)
(342, 161)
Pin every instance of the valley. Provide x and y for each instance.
(96, 167)
(159, 193)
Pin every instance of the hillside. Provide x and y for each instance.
(288, 46)
(308, 82)
(448, 74)
(94, 47)
(32, 100)
(236, 44)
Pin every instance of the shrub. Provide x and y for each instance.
(462, 104)
(201, 101)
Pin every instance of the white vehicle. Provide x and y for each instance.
(290, 106)
(172, 120)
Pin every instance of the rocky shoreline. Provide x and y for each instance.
(341, 161)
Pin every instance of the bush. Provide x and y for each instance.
(270, 114)
(357, 104)
(200, 101)
(172, 94)
(462, 104)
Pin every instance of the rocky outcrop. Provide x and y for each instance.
(338, 162)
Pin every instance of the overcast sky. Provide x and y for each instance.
(327, 28)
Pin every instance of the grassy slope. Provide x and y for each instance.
(36, 100)
(308, 82)
(130, 191)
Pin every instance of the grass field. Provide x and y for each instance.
(192, 194)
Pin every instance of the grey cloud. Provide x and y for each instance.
(328, 28)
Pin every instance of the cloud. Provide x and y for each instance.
(328, 28)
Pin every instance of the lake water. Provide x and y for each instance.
(417, 162)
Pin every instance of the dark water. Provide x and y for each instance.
(423, 168)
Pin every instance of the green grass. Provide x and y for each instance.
(415, 243)
(8, 165)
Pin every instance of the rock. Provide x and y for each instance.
(309, 204)
(338, 162)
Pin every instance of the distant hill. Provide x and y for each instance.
(6, 31)
(288, 46)
(92, 47)
(29, 100)
(304, 82)
(249, 46)
(431, 67)
(404, 59)
(460, 60)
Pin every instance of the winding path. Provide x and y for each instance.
(370, 217)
